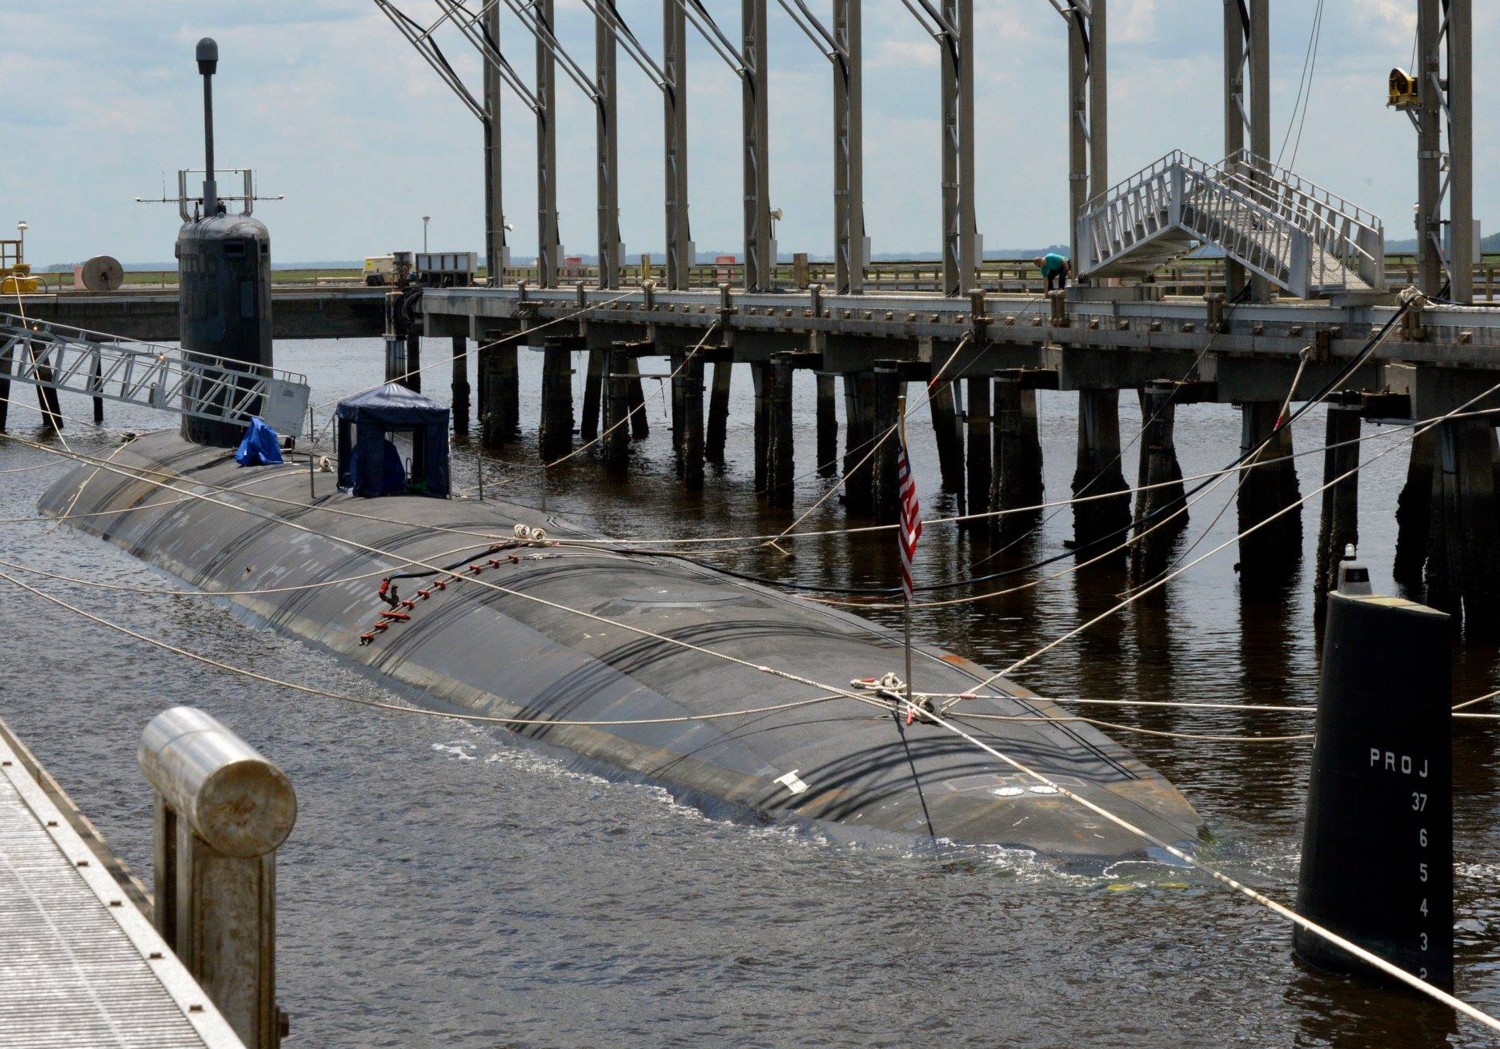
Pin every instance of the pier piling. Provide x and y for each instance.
(1338, 523)
(859, 429)
(557, 399)
(950, 437)
(691, 436)
(617, 385)
(460, 386)
(588, 425)
(828, 426)
(1414, 512)
(640, 426)
(499, 395)
(1016, 480)
(760, 377)
(780, 468)
(1268, 485)
(1098, 474)
(1160, 510)
(718, 412)
(411, 375)
(977, 421)
(1461, 559)
(887, 390)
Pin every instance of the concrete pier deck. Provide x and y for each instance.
(82, 965)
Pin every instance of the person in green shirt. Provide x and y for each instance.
(1055, 268)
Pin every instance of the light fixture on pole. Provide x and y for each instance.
(424, 232)
(22, 227)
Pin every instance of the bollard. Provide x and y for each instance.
(1377, 846)
(222, 810)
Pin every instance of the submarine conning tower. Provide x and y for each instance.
(224, 281)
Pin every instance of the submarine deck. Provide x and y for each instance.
(719, 689)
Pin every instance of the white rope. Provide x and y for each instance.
(1286, 912)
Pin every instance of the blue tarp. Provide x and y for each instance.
(261, 446)
(369, 464)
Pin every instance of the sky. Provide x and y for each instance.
(333, 109)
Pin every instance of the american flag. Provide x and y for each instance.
(910, 529)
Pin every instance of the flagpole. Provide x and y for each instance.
(906, 593)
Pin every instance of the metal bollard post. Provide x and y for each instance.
(222, 810)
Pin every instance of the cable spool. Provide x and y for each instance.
(102, 273)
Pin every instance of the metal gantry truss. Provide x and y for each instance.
(59, 357)
(1444, 36)
(1444, 110)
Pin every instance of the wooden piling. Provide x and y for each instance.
(556, 431)
(1268, 485)
(859, 428)
(1338, 523)
(640, 426)
(617, 385)
(1160, 509)
(692, 425)
(588, 426)
(1461, 559)
(950, 438)
(1016, 450)
(977, 420)
(499, 395)
(677, 363)
(411, 376)
(460, 386)
(779, 445)
(1414, 512)
(888, 387)
(761, 378)
(828, 426)
(718, 412)
(1098, 473)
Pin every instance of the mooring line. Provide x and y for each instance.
(835, 693)
(1286, 912)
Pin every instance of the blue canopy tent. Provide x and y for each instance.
(371, 423)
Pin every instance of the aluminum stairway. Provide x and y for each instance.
(1273, 222)
(94, 364)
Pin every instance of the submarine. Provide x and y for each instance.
(734, 696)
(721, 690)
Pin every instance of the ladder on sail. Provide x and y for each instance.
(1273, 222)
(58, 357)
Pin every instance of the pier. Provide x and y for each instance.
(84, 965)
(152, 314)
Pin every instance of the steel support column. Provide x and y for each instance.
(548, 236)
(1247, 64)
(494, 212)
(1088, 110)
(959, 234)
(760, 249)
(608, 137)
(674, 143)
(848, 150)
(1444, 32)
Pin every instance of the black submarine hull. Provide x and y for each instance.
(503, 637)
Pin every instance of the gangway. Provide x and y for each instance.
(1270, 220)
(96, 364)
